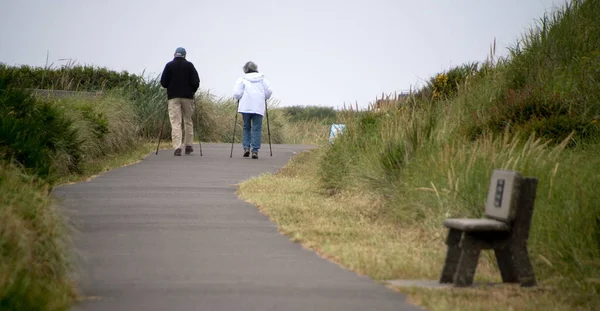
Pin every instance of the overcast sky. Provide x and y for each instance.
(324, 52)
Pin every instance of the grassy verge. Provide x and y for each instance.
(96, 167)
(344, 227)
(35, 271)
(350, 229)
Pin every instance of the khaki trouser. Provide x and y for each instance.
(181, 108)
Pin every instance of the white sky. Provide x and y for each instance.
(323, 52)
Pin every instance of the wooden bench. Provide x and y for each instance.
(504, 229)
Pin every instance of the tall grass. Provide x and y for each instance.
(70, 77)
(216, 116)
(35, 268)
(306, 132)
(536, 111)
(307, 125)
(310, 114)
(149, 105)
(549, 84)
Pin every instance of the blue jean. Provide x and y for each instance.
(252, 131)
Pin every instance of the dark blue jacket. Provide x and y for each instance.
(180, 78)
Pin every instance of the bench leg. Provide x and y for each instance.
(469, 258)
(506, 263)
(452, 256)
(523, 265)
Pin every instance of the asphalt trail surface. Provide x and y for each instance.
(169, 233)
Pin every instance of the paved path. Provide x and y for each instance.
(169, 233)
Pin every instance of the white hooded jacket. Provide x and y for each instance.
(252, 90)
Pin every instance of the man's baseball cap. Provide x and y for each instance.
(180, 52)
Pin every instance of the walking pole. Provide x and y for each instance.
(161, 130)
(268, 128)
(199, 142)
(234, 126)
(198, 126)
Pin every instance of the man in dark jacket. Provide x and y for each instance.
(181, 80)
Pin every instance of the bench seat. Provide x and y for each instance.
(475, 225)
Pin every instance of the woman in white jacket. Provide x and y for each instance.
(252, 90)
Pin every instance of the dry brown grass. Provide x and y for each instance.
(497, 298)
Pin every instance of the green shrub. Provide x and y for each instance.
(69, 77)
(33, 132)
(446, 85)
(98, 121)
(534, 110)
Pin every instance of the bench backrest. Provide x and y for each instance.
(503, 195)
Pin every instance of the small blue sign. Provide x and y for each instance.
(334, 130)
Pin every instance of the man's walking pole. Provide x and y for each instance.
(161, 130)
(268, 128)
(199, 142)
(234, 126)
(198, 126)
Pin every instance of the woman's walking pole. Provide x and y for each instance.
(268, 128)
(234, 126)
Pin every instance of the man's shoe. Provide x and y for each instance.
(188, 149)
(246, 153)
(177, 152)
(254, 155)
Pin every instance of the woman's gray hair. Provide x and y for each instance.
(250, 67)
